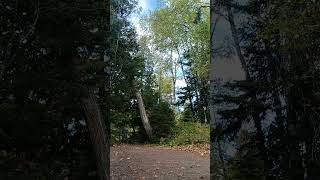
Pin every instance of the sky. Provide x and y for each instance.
(148, 4)
(146, 7)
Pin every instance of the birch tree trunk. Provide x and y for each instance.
(143, 114)
(256, 119)
(174, 78)
(236, 40)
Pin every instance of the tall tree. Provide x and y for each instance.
(143, 114)
(270, 58)
(178, 27)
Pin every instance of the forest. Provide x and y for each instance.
(109, 89)
(265, 124)
(149, 66)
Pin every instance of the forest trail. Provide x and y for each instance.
(138, 162)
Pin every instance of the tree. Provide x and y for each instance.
(178, 29)
(270, 57)
(143, 114)
(41, 84)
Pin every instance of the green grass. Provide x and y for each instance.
(188, 133)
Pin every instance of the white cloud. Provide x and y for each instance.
(139, 30)
(180, 83)
(143, 4)
(135, 20)
(175, 55)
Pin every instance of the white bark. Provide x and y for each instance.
(236, 40)
(143, 114)
(174, 78)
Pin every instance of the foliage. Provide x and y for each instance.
(180, 28)
(188, 133)
(186, 115)
(43, 46)
(277, 101)
(250, 168)
(162, 120)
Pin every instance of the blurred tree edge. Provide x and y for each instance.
(266, 125)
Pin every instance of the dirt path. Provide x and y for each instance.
(135, 162)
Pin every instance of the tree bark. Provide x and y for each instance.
(99, 131)
(174, 78)
(98, 134)
(216, 166)
(160, 86)
(256, 119)
(236, 40)
(143, 114)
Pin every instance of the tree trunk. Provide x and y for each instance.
(182, 69)
(256, 119)
(98, 134)
(174, 78)
(160, 88)
(143, 114)
(236, 39)
(216, 166)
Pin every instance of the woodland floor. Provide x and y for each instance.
(137, 162)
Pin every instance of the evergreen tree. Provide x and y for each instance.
(273, 100)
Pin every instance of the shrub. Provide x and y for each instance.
(162, 120)
(186, 115)
(189, 133)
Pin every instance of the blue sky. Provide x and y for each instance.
(148, 4)
(146, 7)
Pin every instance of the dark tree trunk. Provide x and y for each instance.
(98, 134)
(217, 168)
(98, 130)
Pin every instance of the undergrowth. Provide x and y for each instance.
(185, 133)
